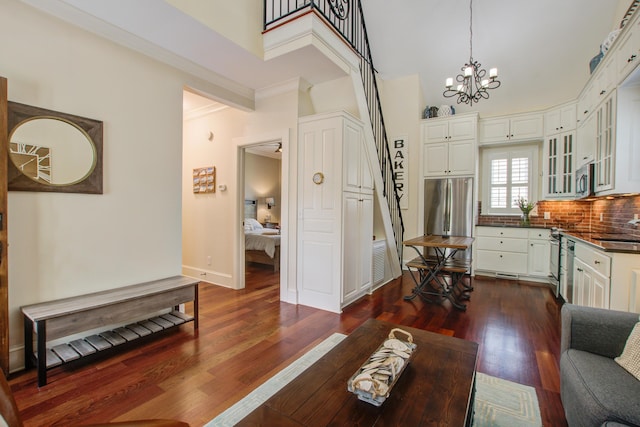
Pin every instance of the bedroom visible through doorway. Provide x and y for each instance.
(262, 219)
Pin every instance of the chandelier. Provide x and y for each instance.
(473, 82)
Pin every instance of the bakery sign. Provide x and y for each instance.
(400, 164)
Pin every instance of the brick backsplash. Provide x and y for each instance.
(580, 215)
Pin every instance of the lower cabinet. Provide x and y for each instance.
(521, 252)
(591, 277)
(539, 253)
(605, 279)
(358, 245)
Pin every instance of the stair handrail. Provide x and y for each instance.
(337, 13)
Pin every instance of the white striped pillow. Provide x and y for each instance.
(630, 357)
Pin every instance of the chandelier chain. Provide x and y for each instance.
(471, 29)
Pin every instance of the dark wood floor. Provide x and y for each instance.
(247, 336)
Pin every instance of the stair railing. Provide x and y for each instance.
(350, 25)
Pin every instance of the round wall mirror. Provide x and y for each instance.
(52, 151)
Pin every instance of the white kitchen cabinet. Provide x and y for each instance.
(358, 245)
(560, 119)
(335, 226)
(591, 277)
(357, 172)
(452, 128)
(586, 146)
(520, 252)
(559, 165)
(449, 146)
(625, 282)
(456, 158)
(539, 253)
(501, 250)
(605, 116)
(515, 128)
(617, 155)
(628, 49)
(600, 85)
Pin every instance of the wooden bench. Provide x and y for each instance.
(70, 316)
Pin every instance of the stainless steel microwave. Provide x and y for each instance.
(584, 181)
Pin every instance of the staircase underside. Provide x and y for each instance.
(305, 36)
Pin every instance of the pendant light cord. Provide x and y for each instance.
(471, 29)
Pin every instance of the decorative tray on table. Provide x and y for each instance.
(374, 380)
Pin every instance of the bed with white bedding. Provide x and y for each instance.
(261, 245)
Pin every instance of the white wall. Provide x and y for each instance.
(212, 222)
(69, 244)
(207, 218)
(401, 100)
(239, 20)
(262, 179)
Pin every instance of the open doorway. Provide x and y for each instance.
(262, 171)
(215, 138)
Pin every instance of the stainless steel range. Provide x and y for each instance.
(554, 261)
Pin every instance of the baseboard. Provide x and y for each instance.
(216, 277)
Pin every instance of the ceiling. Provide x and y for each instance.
(541, 48)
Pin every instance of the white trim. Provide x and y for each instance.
(531, 151)
(287, 232)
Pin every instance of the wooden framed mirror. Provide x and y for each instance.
(52, 151)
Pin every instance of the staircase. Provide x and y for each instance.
(346, 18)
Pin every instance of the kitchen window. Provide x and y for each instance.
(508, 174)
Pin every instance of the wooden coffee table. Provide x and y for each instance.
(436, 388)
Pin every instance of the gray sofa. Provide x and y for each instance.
(595, 390)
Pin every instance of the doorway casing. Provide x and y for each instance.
(288, 218)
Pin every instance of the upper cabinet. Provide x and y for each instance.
(600, 85)
(560, 151)
(449, 146)
(449, 128)
(357, 173)
(560, 119)
(628, 50)
(559, 165)
(515, 128)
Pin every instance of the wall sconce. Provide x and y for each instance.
(271, 202)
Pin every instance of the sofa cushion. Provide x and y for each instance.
(596, 389)
(630, 357)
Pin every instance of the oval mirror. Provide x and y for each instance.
(52, 151)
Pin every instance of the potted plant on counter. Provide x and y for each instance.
(526, 207)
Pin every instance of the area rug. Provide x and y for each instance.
(498, 403)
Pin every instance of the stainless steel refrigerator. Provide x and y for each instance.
(448, 208)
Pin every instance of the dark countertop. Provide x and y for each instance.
(604, 245)
(590, 238)
(512, 226)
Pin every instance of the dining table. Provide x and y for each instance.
(438, 273)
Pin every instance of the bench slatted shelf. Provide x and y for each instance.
(65, 317)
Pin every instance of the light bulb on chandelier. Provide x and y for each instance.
(472, 82)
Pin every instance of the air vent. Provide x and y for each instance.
(378, 261)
